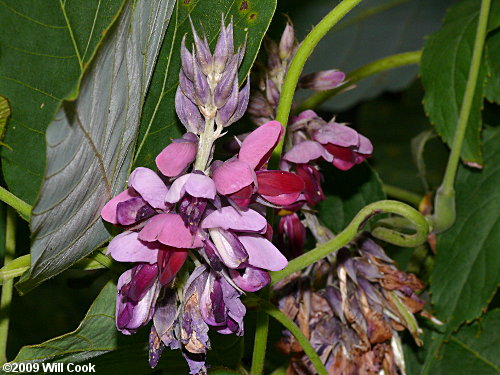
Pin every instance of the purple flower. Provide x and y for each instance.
(208, 83)
(292, 234)
(323, 80)
(334, 142)
(241, 178)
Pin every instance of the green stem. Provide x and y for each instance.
(10, 247)
(386, 63)
(260, 343)
(349, 233)
(298, 62)
(18, 204)
(444, 204)
(295, 331)
(402, 194)
(14, 268)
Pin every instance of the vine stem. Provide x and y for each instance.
(420, 223)
(444, 203)
(402, 194)
(386, 63)
(289, 324)
(260, 342)
(300, 58)
(16, 203)
(10, 247)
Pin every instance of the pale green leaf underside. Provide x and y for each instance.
(90, 142)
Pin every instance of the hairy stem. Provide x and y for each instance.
(205, 145)
(10, 247)
(419, 222)
(260, 343)
(300, 58)
(386, 63)
(444, 203)
(296, 332)
(16, 203)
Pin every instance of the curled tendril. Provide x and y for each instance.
(419, 224)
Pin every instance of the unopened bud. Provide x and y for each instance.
(323, 80)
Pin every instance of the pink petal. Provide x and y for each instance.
(262, 253)
(306, 151)
(126, 247)
(170, 230)
(176, 157)
(259, 144)
(365, 146)
(200, 186)
(233, 176)
(282, 199)
(149, 185)
(177, 190)
(337, 134)
(230, 218)
(108, 212)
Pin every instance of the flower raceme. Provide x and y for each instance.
(167, 215)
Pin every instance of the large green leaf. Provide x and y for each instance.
(346, 193)
(492, 86)
(95, 335)
(374, 29)
(159, 122)
(465, 274)
(90, 142)
(445, 67)
(45, 47)
(474, 349)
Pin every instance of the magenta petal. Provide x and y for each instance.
(233, 176)
(108, 212)
(262, 253)
(259, 144)
(196, 185)
(200, 186)
(149, 185)
(282, 199)
(306, 151)
(170, 230)
(230, 218)
(126, 247)
(337, 134)
(176, 157)
(250, 279)
(365, 146)
(229, 248)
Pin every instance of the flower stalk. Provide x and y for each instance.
(420, 223)
(7, 287)
(444, 203)
(375, 67)
(306, 48)
(18, 204)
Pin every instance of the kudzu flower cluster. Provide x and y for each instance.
(197, 235)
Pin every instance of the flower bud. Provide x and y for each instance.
(323, 80)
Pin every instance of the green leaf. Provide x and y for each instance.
(90, 141)
(159, 122)
(492, 55)
(474, 349)
(346, 192)
(465, 274)
(373, 30)
(95, 335)
(444, 69)
(45, 46)
(4, 116)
